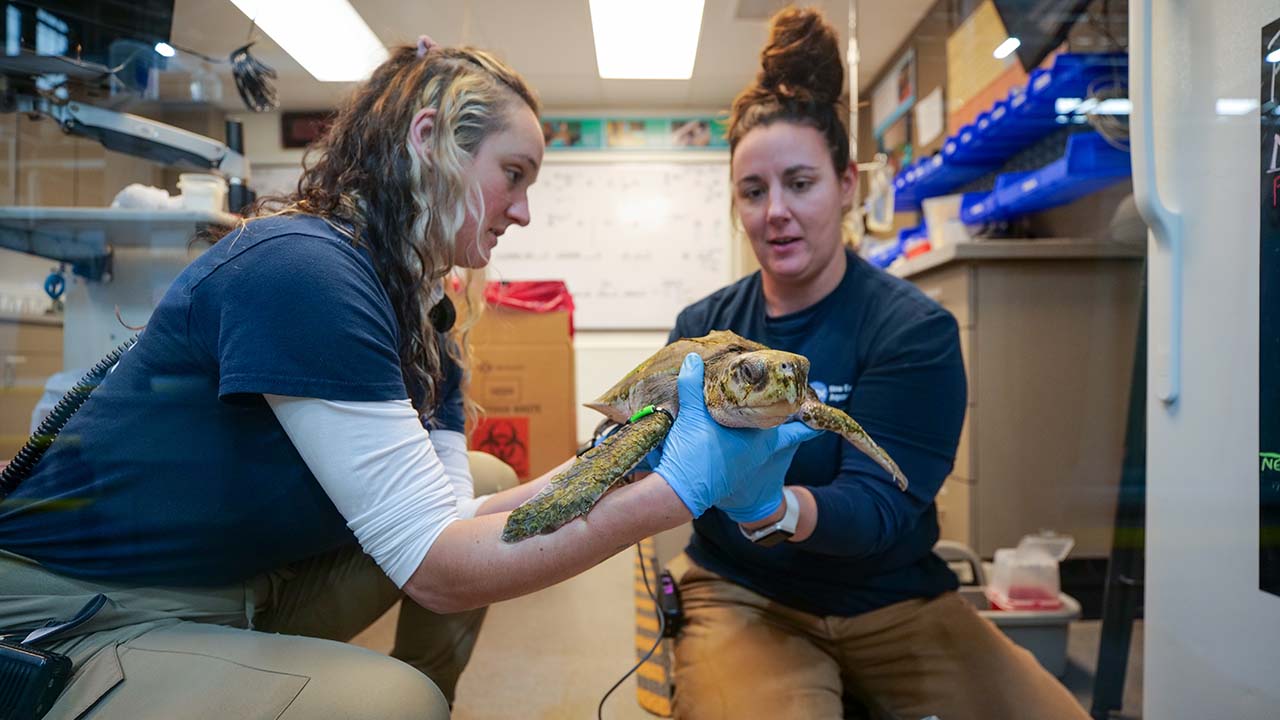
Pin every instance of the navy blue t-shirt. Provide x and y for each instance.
(890, 357)
(176, 471)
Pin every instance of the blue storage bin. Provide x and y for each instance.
(993, 134)
(884, 255)
(1006, 124)
(951, 176)
(906, 235)
(988, 207)
(969, 148)
(978, 208)
(904, 196)
(1011, 125)
(1089, 165)
(1039, 99)
(1073, 75)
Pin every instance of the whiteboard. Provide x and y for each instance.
(635, 240)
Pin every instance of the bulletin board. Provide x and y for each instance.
(635, 240)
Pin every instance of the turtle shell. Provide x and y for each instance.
(653, 382)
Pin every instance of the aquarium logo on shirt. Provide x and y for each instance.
(831, 393)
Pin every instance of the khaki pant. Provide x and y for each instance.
(743, 656)
(190, 653)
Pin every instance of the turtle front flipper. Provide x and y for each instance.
(820, 416)
(575, 491)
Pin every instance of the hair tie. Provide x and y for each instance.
(425, 44)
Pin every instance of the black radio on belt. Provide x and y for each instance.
(669, 604)
(30, 680)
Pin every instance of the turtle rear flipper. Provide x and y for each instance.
(820, 416)
(573, 492)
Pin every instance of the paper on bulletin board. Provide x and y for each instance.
(930, 117)
(895, 94)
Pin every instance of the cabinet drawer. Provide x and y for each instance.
(952, 289)
(28, 370)
(27, 337)
(16, 405)
(955, 511)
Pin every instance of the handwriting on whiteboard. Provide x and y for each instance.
(634, 241)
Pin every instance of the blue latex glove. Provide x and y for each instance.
(738, 469)
(754, 501)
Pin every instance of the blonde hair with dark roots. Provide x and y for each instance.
(364, 178)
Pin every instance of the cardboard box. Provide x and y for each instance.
(522, 376)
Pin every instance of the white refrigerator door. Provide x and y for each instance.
(1212, 636)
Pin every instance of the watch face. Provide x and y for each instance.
(777, 537)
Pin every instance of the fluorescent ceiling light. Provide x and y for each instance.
(1235, 106)
(1006, 48)
(327, 37)
(1274, 56)
(654, 40)
(164, 49)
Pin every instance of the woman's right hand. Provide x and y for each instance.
(737, 469)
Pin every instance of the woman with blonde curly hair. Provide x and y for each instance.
(280, 457)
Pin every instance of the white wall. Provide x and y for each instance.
(262, 140)
(1212, 638)
(600, 359)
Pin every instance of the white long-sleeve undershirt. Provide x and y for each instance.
(396, 487)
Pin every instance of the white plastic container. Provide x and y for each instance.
(1026, 577)
(202, 191)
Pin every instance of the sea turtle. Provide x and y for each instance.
(746, 385)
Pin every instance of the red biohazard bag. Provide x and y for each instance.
(540, 296)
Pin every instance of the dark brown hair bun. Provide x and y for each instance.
(802, 58)
(801, 81)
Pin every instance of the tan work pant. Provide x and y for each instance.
(743, 656)
(188, 653)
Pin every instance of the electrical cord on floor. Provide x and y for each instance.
(662, 627)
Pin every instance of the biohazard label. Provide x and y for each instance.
(506, 438)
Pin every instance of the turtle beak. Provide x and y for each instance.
(793, 372)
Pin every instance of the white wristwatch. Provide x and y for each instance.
(771, 535)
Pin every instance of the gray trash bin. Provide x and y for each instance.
(1043, 632)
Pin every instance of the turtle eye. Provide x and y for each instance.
(751, 373)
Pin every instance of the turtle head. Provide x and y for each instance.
(757, 389)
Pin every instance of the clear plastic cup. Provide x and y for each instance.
(203, 191)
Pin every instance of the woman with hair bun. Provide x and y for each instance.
(280, 457)
(836, 606)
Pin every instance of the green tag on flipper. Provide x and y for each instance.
(642, 412)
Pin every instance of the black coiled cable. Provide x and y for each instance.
(24, 462)
(254, 80)
(662, 634)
